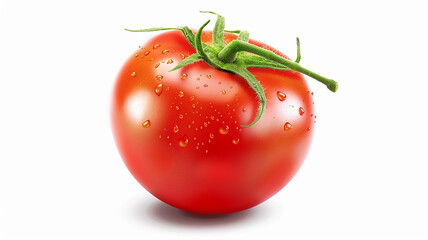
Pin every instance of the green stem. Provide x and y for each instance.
(298, 51)
(229, 54)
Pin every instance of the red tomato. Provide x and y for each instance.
(180, 133)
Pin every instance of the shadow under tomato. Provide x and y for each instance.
(161, 212)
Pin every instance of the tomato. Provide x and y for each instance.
(183, 134)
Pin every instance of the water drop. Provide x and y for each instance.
(184, 76)
(146, 124)
(287, 126)
(211, 135)
(159, 77)
(157, 65)
(183, 142)
(209, 76)
(192, 98)
(281, 96)
(136, 55)
(176, 129)
(165, 51)
(146, 53)
(181, 116)
(181, 94)
(169, 61)
(235, 141)
(205, 124)
(156, 46)
(182, 56)
(133, 74)
(224, 130)
(301, 111)
(205, 85)
(159, 89)
(223, 92)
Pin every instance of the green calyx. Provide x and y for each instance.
(232, 57)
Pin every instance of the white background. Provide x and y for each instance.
(61, 176)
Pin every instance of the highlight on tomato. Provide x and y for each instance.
(212, 121)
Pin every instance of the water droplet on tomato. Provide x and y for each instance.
(192, 98)
(133, 74)
(244, 110)
(223, 92)
(184, 76)
(205, 85)
(211, 135)
(205, 124)
(159, 77)
(308, 129)
(224, 130)
(235, 141)
(146, 53)
(136, 55)
(181, 94)
(156, 46)
(183, 142)
(146, 124)
(182, 56)
(281, 96)
(159, 89)
(176, 129)
(287, 126)
(209, 76)
(181, 116)
(169, 61)
(301, 111)
(157, 65)
(165, 51)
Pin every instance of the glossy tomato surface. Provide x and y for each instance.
(180, 133)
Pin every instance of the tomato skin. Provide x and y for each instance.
(180, 133)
